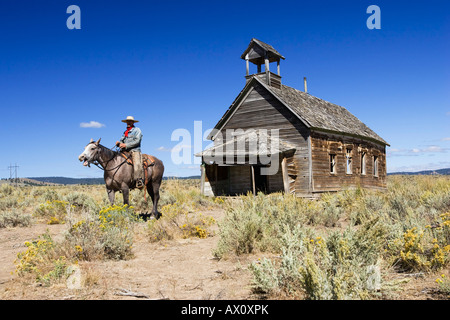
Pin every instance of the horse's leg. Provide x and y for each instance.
(149, 188)
(111, 195)
(155, 188)
(126, 195)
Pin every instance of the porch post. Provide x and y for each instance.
(285, 175)
(253, 181)
(202, 181)
(216, 188)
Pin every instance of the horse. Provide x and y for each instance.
(118, 173)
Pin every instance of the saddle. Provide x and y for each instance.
(147, 161)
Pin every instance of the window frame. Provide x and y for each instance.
(332, 163)
(375, 166)
(348, 161)
(363, 164)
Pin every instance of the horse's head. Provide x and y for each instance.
(90, 153)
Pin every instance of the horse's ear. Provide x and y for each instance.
(98, 141)
(92, 140)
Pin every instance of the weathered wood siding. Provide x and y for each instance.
(325, 144)
(260, 110)
(307, 169)
(292, 173)
(274, 79)
(217, 177)
(240, 180)
(275, 181)
(236, 181)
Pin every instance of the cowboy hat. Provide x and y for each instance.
(129, 118)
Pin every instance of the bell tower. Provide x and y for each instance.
(260, 53)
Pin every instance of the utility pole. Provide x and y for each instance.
(11, 175)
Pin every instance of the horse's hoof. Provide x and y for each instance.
(145, 216)
(156, 215)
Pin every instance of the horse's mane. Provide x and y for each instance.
(115, 153)
(109, 150)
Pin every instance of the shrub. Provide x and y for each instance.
(283, 276)
(186, 192)
(54, 212)
(83, 240)
(117, 216)
(109, 235)
(37, 253)
(59, 270)
(415, 252)
(8, 202)
(241, 231)
(444, 284)
(50, 195)
(6, 189)
(336, 267)
(177, 222)
(259, 222)
(81, 202)
(42, 260)
(117, 243)
(14, 218)
(332, 210)
(117, 225)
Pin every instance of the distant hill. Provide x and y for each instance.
(445, 171)
(64, 180)
(87, 181)
(91, 181)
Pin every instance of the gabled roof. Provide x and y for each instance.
(273, 54)
(315, 113)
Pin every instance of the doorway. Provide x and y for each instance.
(261, 184)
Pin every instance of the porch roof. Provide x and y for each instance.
(251, 143)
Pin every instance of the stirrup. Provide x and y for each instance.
(139, 183)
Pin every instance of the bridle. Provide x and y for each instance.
(95, 156)
(99, 165)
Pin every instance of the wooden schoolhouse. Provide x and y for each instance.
(318, 146)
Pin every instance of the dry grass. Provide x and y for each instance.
(406, 229)
(95, 230)
(346, 245)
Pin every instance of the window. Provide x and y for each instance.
(375, 166)
(363, 163)
(348, 156)
(332, 163)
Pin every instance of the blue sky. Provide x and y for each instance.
(170, 63)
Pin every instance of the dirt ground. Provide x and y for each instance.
(176, 270)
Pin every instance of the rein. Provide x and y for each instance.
(115, 153)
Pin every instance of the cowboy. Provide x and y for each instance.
(131, 141)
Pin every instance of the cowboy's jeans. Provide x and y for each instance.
(138, 169)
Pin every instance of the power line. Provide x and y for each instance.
(13, 173)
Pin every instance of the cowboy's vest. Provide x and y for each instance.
(133, 141)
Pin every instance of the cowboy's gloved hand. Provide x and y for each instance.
(117, 143)
(122, 146)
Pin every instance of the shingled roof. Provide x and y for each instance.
(321, 114)
(273, 54)
(315, 113)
